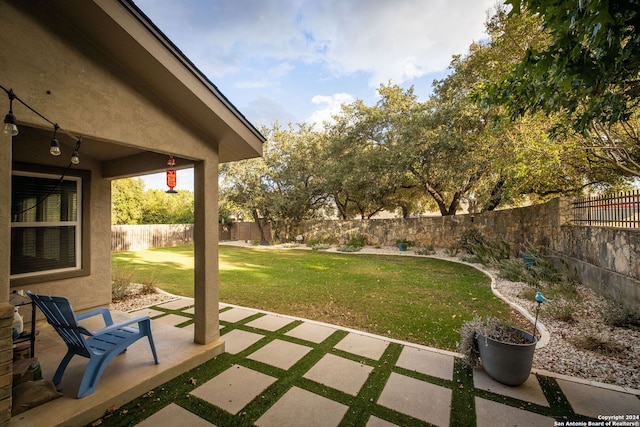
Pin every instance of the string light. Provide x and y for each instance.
(75, 158)
(55, 145)
(11, 128)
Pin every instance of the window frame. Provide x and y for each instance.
(82, 221)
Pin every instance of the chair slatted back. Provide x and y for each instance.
(59, 314)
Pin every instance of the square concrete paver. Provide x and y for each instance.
(237, 340)
(339, 373)
(418, 399)
(491, 414)
(233, 389)
(172, 319)
(270, 322)
(299, 407)
(177, 304)
(174, 415)
(236, 314)
(529, 391)
(364, 346)
(311, 332)
(593, 401)
(281, 354)
(147, 312)
(378, 422)
(427, 362)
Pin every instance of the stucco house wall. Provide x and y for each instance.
(80, 88)
(103, 72)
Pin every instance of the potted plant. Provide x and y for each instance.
(505, 352)
(403, 244)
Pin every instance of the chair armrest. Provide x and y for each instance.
(106, 315)
(138, 319)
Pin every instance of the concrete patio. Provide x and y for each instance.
(421, 385)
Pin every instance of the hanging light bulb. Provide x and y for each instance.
(10, 126)
(55, 145)
(75, 157)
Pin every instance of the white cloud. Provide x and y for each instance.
(388, 39)
(394, 40)
(329, 106)
(263, 111)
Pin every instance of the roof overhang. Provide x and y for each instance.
(120, 29)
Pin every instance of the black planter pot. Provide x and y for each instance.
(507, 363)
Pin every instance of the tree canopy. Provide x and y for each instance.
(131, 203)
(589, 68)
(487, 138)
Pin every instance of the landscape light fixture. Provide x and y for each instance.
(10, 126)
(55, 145)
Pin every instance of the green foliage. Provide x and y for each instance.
(284, 186)
(491, 253)
(324, 238)
(470, 237)
(562, 310)
(131, 203)
(600, 344)
(426, 250)
(357, 240)
(148, 284)
(127, 201)
(622, 315)
(589, 68)
(123, 285)
(121, 282)
(349, 248)
(320, 246)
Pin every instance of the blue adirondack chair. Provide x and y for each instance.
(98, 346)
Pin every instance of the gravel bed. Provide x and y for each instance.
(560, 355)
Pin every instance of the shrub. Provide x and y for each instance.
(427, 250)
(600, 345)
(491, 253)
(622, 315)
(562, 310)
(349, 248)
(320, 247)
(121, 283)
(357, 240)
(148, 285)
(469, 238)
(325, 238)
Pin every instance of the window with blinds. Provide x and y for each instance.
(45, 224)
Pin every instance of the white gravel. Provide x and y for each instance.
(559, 355)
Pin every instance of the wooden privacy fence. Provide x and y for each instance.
(622, 211)
(146, 236)
(137, 237)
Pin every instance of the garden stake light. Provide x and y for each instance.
(539, 299)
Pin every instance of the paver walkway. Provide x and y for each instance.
(282, 371)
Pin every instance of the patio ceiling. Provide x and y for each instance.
(118, 160)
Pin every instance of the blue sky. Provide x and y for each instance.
(295, 61)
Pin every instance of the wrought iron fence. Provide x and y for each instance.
(621, 211)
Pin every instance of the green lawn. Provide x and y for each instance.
(417, 299)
